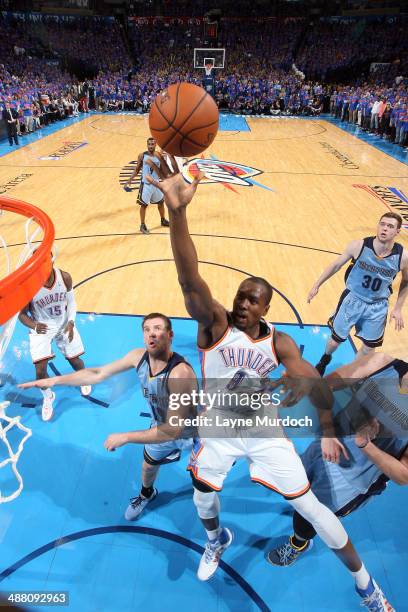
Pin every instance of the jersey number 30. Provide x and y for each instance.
(371, 283)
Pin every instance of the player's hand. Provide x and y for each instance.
(332, 449)
(174, 165)
(396, 314)
(115, 441)
(312, 293)
(41, 328)
(127, 187)
(293, 389)
(367, 433)
(177, 192)
(69, 330)
(43, 383)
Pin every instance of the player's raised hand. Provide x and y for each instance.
(312, 293)
(41, 382)
(396, 315)
(177, 192)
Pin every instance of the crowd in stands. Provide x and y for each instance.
(382, 111)
(260, 75)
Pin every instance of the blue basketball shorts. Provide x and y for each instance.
(166, 452)
(149, 194)
(368, 319)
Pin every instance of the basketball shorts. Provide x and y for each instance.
(273, 462)
(149, 194)
(369, 319)
(41, 344)
(166, 452)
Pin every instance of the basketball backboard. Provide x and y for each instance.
(215, 57)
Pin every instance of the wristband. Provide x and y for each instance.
(364, 445)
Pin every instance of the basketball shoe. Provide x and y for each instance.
(137, 505)
(47, 409)
(374, 599)
(212, 554)
(287, 553)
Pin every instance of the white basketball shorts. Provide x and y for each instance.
(273, 462)
(41, 344)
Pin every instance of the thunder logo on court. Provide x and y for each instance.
(226, 173)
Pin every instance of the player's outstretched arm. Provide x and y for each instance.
(303, 379)
(347, 375)
(352, 250)
(197, 296)
(89, 376)
(182, 405)
(395, 469)
(396, 313)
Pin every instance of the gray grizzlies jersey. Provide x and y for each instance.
(155, 388)
(370, 276)
(146, 169)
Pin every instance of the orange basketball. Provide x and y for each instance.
(184, 119)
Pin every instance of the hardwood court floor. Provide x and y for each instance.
(317, 188)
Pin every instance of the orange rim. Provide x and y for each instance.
(17, 289)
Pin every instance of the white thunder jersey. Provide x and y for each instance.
(49, 305)
(237, 363)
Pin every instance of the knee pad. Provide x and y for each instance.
(325, 522)
(207, 504)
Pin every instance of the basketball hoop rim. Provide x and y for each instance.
(18, 288)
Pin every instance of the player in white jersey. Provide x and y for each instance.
(237, 345)
(51, 317)
(148, 162)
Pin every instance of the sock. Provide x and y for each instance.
(147, 492)
(298, 543)
(213, 535)
(362, 578)
(46, 392)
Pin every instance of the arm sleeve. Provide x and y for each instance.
(71, 306)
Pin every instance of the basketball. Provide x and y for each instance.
(184, 119)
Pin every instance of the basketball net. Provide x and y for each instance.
(208, 69)
(6, 332)
(12, 457)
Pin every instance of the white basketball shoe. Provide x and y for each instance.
(212, 554)
(47, 409)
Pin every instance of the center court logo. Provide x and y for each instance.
(63, 151)
(226, 173)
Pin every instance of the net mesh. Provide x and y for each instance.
(12, 457)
